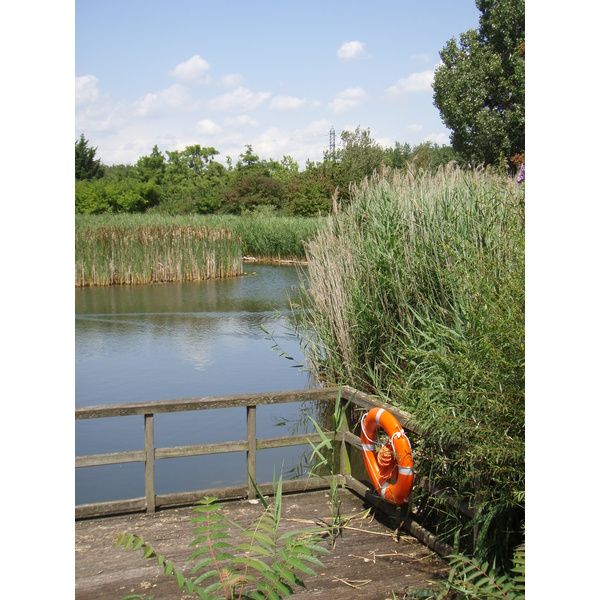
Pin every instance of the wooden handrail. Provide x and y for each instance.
(250, 445)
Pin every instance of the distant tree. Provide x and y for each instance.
(479, 88)
(87, 167)
(152, 168)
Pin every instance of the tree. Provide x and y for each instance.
(479, 88)
(87, 167)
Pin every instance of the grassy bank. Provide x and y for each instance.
(416, 293)
(130, 249)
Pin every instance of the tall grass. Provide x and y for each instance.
(268, 236)
(415, 292)
(130, 250)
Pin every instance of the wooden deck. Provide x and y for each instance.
(371, 559)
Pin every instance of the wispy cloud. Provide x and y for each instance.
(164, 101)
(232, 80)
(241, 99)
(208, 127)
(349, 98)
(287, 103)
(86, 89)
(414, 83)
(193, 70)
(351, 50)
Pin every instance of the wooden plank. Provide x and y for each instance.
(201, 449)
(369, 560)
(113, 507)
(363, 400)
(207, 403)
(408, 524)
(164, 501)
(112, 458)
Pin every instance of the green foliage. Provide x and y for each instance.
(476, 580)
(264, 564)
(325, 457)
(480, 86)
(192, 181)
(87, 167)
(416, 293)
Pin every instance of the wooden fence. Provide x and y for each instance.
(251, 445)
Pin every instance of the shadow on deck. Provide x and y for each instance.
(371, 559)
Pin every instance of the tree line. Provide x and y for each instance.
(193, 181)
(479, 89)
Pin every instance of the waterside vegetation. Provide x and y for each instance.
(415, 293)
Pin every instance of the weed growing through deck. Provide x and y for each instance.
(265, 561)
(327, 455)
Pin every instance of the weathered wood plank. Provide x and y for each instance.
(363, 400)
(370, 558)
(207, 403)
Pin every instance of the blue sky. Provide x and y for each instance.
(273, 74)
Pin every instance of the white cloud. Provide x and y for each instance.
(240, 99)
(441, 139)
(163, 101)
(349, 98)
(351, 50)
(232, 80)
(193, 70)
(414, 128)
(287, 103)
(241, 121)
(207, 127)
(86, 89)
(414, 83)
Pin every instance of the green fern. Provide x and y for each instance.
(472, 579)
(264, 561)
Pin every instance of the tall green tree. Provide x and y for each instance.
(479, 88)
(87, 167)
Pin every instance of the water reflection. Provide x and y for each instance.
(168, 341)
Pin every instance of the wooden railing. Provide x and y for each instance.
(251, 445)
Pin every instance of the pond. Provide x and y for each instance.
(169, 341)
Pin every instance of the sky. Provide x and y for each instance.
(271, 74)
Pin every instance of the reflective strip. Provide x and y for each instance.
(379, 413)
(382, 489)
(405, 470)
(369, 447)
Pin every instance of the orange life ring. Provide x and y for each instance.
(389, 465)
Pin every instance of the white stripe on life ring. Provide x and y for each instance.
(382, 489)
(369, 447)
(379, 413)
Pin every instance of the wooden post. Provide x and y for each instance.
(251, 453)
(345, 465)
(149, 449)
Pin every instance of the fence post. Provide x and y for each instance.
(149, 449)
(251, 454)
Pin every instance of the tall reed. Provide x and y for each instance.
(415, 292)
(130, 250)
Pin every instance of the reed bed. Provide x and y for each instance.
(416, 293)
(134, 250)
(267, 236)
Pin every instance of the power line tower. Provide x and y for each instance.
(332, 140)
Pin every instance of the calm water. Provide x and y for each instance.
(158, 342)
